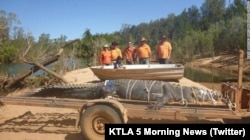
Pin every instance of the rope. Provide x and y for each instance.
(183, 101)
(105, 82)
(209, 96)
(195, 96)
(203, 94)
(231, 105)
(212, 98)
(132, 88)
(127, 89)
(148, 90)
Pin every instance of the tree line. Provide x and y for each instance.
(218, 26)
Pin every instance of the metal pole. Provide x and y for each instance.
(239, 88)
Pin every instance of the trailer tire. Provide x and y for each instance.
(93, 121)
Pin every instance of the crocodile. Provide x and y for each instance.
(75, 91)
(161, 92)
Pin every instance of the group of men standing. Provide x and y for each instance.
(131, 53)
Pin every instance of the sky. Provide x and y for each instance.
(72, 17)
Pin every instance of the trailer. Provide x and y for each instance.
(94, 114)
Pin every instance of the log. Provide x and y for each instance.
(10, 82)
(51, 72)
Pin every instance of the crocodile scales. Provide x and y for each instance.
(76, 91)
(147, 90)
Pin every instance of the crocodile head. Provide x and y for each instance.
(207, 94)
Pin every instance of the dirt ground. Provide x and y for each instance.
(41, 123)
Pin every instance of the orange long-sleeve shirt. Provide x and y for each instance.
(105, 57)
(115, 53)
(164, 50)
(143, 51)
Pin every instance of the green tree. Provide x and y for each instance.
(212, 11)
(7, 54)
(8, 21)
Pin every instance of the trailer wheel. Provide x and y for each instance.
(93, 121)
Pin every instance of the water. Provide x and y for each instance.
(13, 68)
(206, 75)
(17, 68)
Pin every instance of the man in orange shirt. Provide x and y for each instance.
(143, 52)
(128, 53)
(115, 52)
(105, 57)
(163, 51)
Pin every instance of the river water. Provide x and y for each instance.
(17, 68)
(207, 75)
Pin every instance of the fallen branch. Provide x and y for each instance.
(51, 72)
(10, 82)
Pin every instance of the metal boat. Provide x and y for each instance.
(165, 72)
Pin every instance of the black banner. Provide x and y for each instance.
(178, 131)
